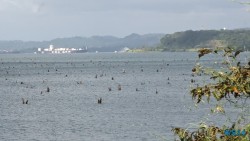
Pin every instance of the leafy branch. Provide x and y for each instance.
(233, 81)
(230, 82)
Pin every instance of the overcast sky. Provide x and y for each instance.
(48, 19)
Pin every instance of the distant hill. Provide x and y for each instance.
(94, 43)
(181, 41)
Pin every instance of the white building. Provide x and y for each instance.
(54, 50)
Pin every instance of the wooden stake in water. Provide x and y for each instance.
(119, 87)
(99, 101)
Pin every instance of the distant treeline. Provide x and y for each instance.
(190, 40)
(180, 41)
(94, 43)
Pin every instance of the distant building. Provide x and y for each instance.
(52, 50)
(125, 49)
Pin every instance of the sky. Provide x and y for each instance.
(39, 20)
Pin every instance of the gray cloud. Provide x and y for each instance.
(47, 19)
(17, 6)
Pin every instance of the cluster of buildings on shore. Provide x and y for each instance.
(59, 50)
(53, 50)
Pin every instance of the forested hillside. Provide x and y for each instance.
(187, 40)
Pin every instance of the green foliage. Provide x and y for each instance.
(239, 39)
(233, 80)
(209, 133)
(242, 2)
(230, 82)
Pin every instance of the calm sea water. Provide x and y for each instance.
(69, 112)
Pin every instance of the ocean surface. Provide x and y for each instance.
(154, 96)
